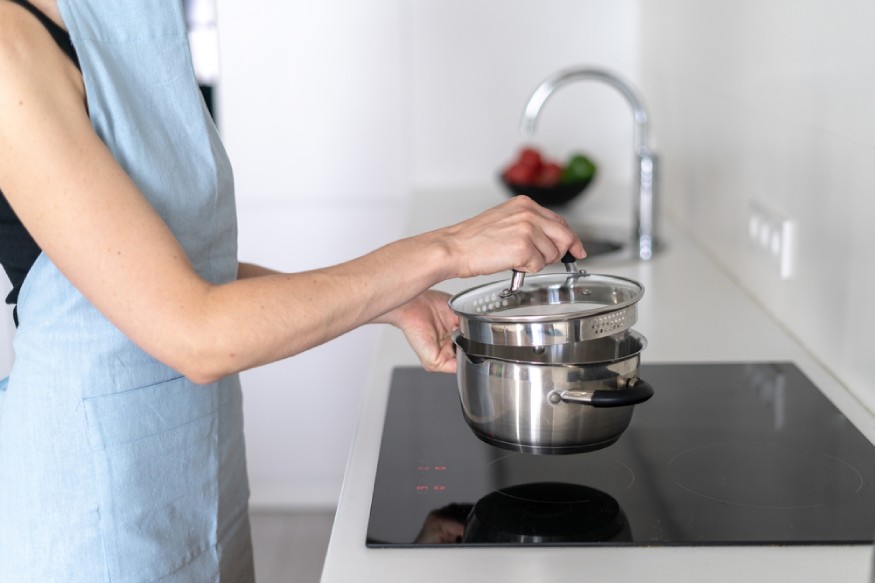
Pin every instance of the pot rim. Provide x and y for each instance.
(461, 344)
(531, 282)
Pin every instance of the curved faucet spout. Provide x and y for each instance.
(551, 84)
(645, 161)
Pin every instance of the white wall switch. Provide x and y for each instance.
(771, 234)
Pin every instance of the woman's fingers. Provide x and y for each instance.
(551, 235)
(537, 249)
(518, 234)
(557, 229)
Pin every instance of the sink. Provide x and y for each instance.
(604, 244)
(598, 247)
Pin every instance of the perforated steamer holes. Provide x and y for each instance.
(609, 322)
(487, 304)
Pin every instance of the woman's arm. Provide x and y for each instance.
(247, 270)
(427, 321)
(91, 220)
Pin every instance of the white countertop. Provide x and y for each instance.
(691, 312)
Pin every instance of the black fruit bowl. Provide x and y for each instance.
(549, 196)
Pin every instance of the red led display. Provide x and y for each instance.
(430, 487)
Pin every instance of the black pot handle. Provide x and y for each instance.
(637, 391)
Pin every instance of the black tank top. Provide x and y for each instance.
(18, 250)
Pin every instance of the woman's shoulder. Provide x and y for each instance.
(30, 59)
(25, 41)
(39, 86)
(19, 29)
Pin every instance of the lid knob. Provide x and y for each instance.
(519, 277)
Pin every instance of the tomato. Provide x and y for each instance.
(530, 157)
(531, 168)
(526, 168)
(520, 174)
(549, 176)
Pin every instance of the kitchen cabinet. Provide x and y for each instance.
(691, 312)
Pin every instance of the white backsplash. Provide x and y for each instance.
(773, 101)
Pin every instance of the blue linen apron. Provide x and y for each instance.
(114, 467)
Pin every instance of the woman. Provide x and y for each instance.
(121, 444)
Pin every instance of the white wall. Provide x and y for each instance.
(774, 101)
(335, 113)
(310, 99)
(309, 105)
(301, 412)
(471, 67)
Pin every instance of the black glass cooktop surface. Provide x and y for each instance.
(723, 454)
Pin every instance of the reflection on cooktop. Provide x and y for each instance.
(727, 453)
(546, 512)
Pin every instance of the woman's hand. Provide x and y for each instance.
(518, 234)
(428, 323)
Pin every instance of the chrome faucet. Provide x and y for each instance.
(645, 201)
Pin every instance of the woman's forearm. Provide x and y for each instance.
(247, 270)
(256, 320)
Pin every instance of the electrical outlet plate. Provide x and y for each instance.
(771, 234)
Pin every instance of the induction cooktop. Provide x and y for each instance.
(723, 454)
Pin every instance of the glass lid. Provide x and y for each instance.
(547, 297)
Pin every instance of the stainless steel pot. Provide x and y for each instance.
(551, 408)
(548, 309)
